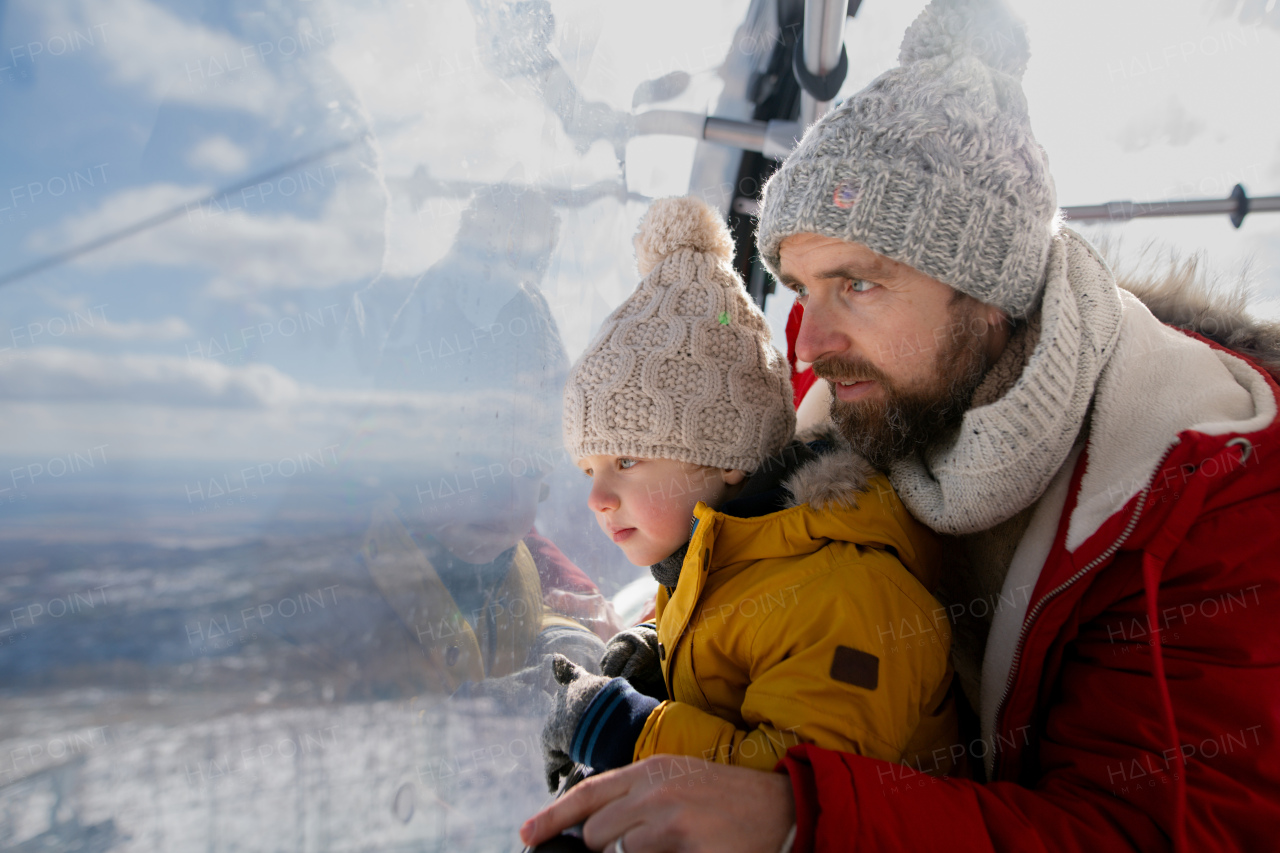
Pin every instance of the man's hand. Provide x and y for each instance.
(670, 803)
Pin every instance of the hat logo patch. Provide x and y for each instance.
(846, 194)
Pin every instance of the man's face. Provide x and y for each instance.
(903, 351)
(645, 505)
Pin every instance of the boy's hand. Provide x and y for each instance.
(577, 688)
(594, 721)
(633, 655)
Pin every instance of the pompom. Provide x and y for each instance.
(672, 224)
(983, 29)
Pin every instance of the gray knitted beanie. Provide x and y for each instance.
(683, 368)
(933, 164)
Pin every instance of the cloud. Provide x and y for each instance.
(247, 249)
(1251, 13)
(59, 374)
(122, 209)
(151, 406)
(63, 374)
(1170, 123)
(219, 154)
(146, 46)
(91, 322)
(164, 329)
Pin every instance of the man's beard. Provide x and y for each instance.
(913, 419)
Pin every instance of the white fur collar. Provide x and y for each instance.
(1159, 382)
(833, 479)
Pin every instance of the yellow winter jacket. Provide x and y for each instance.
(807, 626)
(511, 628)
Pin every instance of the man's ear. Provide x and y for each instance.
(733, 476)
(999, 327)
(996, 318)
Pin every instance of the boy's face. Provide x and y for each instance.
(485, 516)
(645, 505)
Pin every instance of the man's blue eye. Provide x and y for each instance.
(861, 286)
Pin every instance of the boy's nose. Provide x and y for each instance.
(601, 499)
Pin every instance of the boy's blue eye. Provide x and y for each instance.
(625, 463)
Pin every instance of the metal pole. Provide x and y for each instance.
(823, 41)
(748, 135)
(1122, 211)
(1237, 206)
(775, 138)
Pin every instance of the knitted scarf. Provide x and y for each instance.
(667, 570)
(1003, 455)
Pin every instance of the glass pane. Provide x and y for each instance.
(286, 514)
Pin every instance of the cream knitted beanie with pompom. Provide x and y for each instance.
(683, 368)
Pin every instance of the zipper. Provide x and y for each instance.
(1054, 593)
(1093, 564)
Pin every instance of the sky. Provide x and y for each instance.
(252, 325)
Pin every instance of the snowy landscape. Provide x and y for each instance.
(149, 714)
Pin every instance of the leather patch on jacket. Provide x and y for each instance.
(854, 667)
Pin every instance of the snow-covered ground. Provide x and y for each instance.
(142, 710)
(86, 771)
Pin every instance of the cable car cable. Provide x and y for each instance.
(161, 218)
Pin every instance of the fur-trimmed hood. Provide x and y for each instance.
(1183, 298)
(815, 491)
(826, 494)
(835, 476)
(817, 468)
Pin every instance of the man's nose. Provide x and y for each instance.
(602, 498)
(819, 335)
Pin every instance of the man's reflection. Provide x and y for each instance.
(456, 555)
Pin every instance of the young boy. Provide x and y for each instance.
(794, 604)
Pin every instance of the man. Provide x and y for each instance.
(459, 595)
(1111, 479)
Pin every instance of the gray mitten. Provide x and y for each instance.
(577, 688)
(633, 655)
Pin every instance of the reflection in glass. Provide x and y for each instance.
(286, 525)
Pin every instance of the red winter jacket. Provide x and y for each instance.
(1141, 709)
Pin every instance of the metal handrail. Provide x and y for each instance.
(1237, 206)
